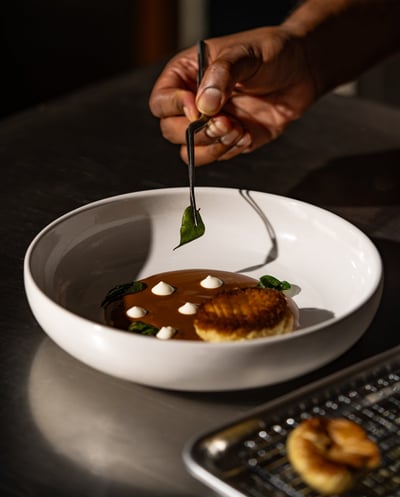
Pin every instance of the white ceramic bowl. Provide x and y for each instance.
(74, 261)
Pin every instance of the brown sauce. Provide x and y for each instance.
(163, 310)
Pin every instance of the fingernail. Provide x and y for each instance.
(245, 141)
(215, 129)
(186, 112)
(210, 101)
(190, 115)
(285, 111)
(230, 138)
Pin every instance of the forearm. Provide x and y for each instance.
(343, 38)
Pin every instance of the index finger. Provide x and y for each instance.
(174, 91)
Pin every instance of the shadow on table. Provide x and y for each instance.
(360, 180)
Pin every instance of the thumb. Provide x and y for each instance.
(234, 65)
(210, 100)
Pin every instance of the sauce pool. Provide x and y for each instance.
(162, 310)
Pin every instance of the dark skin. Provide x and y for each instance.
(259, 99)
(257, 82)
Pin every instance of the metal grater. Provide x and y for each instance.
(247, 458)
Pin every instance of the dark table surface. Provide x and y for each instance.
(67, 430)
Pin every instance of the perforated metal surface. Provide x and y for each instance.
(249, 458)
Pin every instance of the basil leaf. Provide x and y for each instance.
(268, 281)
(120, 290)
(143, 328)
(189, 230)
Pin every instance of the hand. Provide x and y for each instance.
(256, 83)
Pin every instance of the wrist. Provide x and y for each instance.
(343, 38)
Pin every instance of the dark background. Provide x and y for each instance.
(51, 48)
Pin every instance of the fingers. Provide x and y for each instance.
(174, 130)
(211, 145)
(254, 124)
(166, 103)
(205, 154)
(173, 93)
(218, 128)
(230, 136)
(221, 139)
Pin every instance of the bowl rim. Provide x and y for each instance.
(29, 280)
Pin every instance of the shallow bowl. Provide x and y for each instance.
(73, 262)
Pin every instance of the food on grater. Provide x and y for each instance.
(331, 453)
(166, 305)
(244, 313)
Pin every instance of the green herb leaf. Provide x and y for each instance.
(189, 230)
(120, 290)
(143, 328)
(269, 281)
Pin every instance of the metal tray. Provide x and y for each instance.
(247, 457)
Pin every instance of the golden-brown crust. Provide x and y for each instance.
(330, 453)
(244, 313)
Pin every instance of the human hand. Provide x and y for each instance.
(256, 83)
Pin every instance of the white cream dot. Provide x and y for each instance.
(163, 288)
(136, 312)
(188, 308)
(211, 282)
(166, 332)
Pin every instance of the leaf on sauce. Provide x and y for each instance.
(143, 328)
(120, 290)
(189, 230)
(268, 281)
